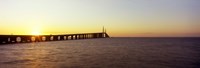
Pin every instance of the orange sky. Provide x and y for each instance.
(122, 18)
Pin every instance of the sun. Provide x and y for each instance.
(36, 31)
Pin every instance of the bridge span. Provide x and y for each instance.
(8, 39)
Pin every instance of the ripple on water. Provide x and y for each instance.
(22, 61)
(103, 53)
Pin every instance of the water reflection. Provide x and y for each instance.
(43, 38)
(33, 39)
(9, 40)
(103, 53)
(58, 37)
(51, 38)
(18, 39)
(32, 55)
(65, 37)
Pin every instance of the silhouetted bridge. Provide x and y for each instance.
(7, 39)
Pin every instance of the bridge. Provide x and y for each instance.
(8, 39)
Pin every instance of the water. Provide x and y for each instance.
(104, 53)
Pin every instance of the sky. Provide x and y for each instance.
(121, 18)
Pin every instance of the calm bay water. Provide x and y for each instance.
(104, 53)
